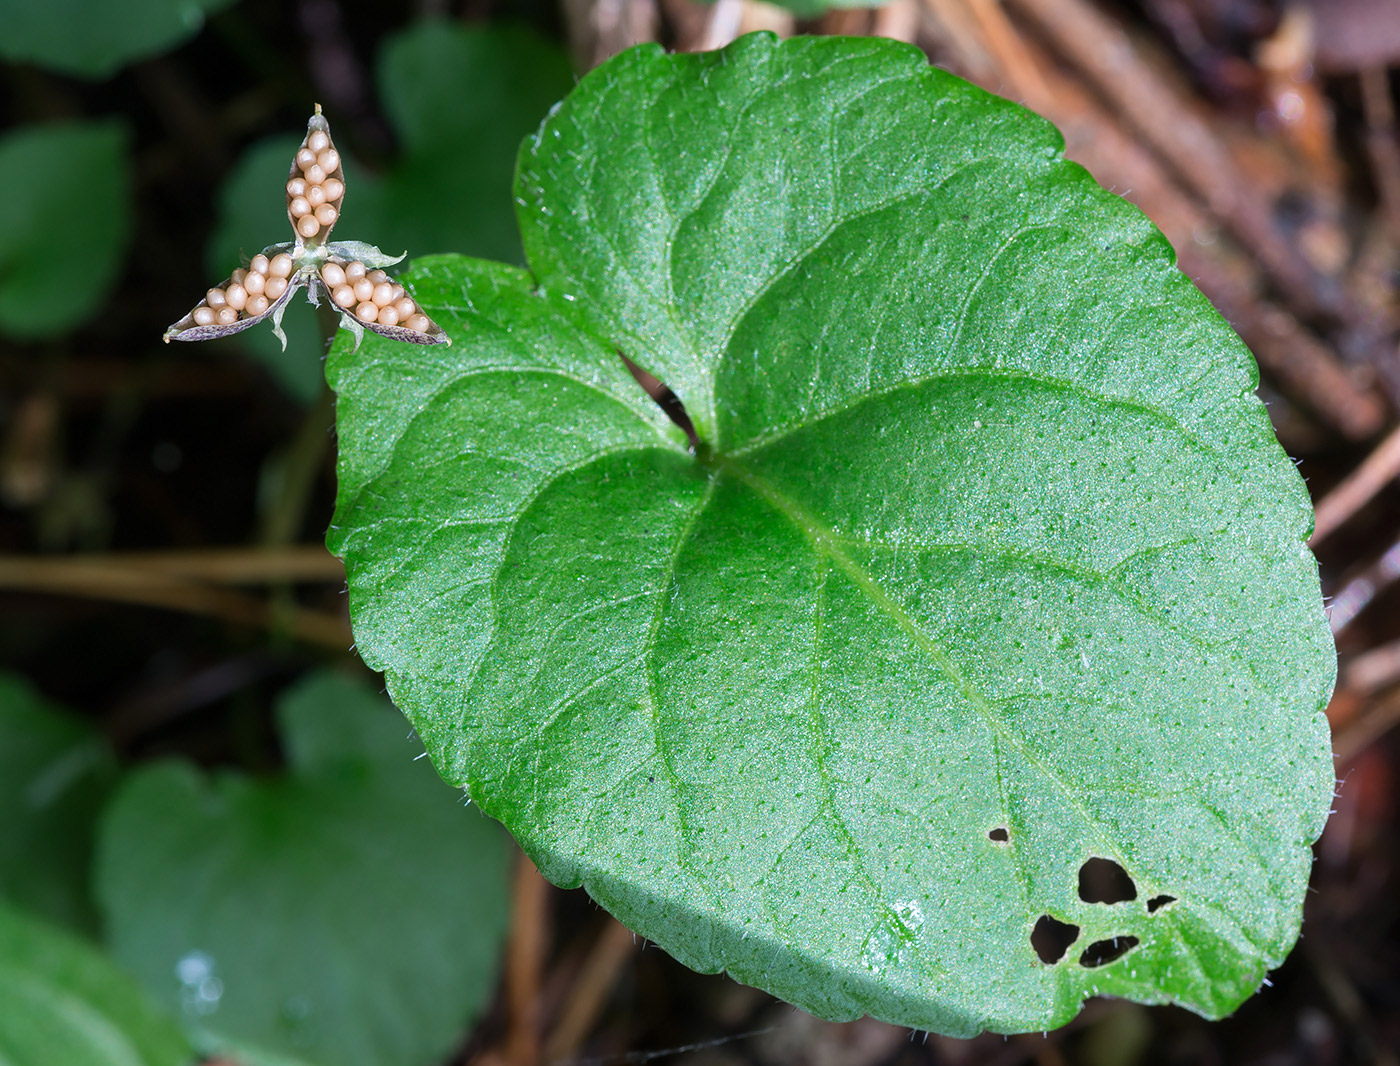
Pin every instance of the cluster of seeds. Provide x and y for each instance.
(365, 297)
(316, 186)
(372, 296)
(248, 293)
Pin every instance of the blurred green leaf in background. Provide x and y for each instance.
(64, 223)
(55, 772)
(62, 1003)
(96, 38)
(461, 98)
(349, 913)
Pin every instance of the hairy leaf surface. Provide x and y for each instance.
(988, 563)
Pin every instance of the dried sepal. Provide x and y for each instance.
(315, 184)
(368, 254)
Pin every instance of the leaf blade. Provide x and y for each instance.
(973, 553)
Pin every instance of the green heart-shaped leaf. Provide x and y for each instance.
(989, 564)
(64, 225)
(63, 1002)
(350, 913)
(96, 38)
(54, 774)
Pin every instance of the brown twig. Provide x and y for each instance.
(156, 581)
(1377, 471)
(302, 563)
(1019, 66)
(526, 948)
(590, 990)
(1358, 593)
(598, 29)
(1093, 44)
(1382, 715)
(1381, 142)
(1290, 354)
(1373, 670)
(898, 19)
(953, 29)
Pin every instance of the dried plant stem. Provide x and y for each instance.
(184, 582)
(898, 19)
(1358, 593)
(1378, 470)
(1373, 670)
(1301, 363)
(301, 563)
(590, 990)
(526, 949)
(1021, 69)
(1381, 142)
(1098, 48)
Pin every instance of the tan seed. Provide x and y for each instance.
(274, 288)
(306, 158)
(314, 175)
(344, 297)
(307, 226)
(354, 271)
(316, 195)
(204, 316)
(227, 316)
(318, 140)
(281, 265)
(334, 189)
(239, 275)
(333, 275)
(256, 305)
(417, 323)
(367, 311)
(259, 264)
(325, 214)
(377, 276)
(299, 207)
(328, 160)
(237, 296)
(296, 187)
(383, 294)
(254, 283)
(215, 298)
(388, 316)
(405, 307)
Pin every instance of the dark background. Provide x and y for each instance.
(1262, 139)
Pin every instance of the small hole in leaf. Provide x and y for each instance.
(1156, 903)
(999, 834)
(1051, 938)
(1104, 881)
(1102, 952)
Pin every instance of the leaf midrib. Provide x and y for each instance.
(826, 543)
